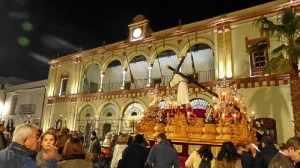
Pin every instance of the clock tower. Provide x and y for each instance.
(139, 28)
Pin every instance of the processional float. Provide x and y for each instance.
(224, 120)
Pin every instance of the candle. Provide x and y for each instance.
(223, 96)
(236, 100)
(234, 118)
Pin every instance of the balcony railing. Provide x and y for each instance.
(202, 76)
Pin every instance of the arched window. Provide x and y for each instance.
(85, 119)
(109, 110)
(199, 103)
(134, 109)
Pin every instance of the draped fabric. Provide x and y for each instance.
(182, 91)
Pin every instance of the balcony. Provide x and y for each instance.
(202, 76)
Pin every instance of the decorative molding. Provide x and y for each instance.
(251, 82)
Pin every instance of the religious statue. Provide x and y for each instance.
(182, 91)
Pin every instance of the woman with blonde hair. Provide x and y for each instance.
(48, 141)
(74, 155)
(203, 155)
(118, 150)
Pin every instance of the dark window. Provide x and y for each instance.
(134, 113)
(258, 61)
(258, 54)
(14, 105)
(63, 86)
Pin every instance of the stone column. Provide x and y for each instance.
(101, 81)
(123, 78)
(150, 66)
(224, 50)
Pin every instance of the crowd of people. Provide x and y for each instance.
(249, 156)
(30, 148)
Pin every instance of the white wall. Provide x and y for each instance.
(26, 96)
(93, 74)
(258, 100)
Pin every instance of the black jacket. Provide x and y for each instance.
(263, 159)
(247, 160)
(134, 156)
(3, 140)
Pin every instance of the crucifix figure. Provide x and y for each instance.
(182, 91)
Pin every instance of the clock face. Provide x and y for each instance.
(137, 32)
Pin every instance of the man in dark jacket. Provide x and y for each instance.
(22, 151)
(263, 159)
(94, 149)
(3, 140)
(162, 155)
(135, 155)
(246, 157)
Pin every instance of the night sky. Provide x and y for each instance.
(34, 31)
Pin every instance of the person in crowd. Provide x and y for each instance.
(288, 156)
(298, 164)
(260, 131)
(118, 150)
(50, 129)
(146, 142)
(113, 142)
(103, 161)
(40, 132)
(74, 155)
(135, 155)
(22, 150)
(62, 139)
(263, 159)
(170, 142)
(48, 139)
(204, 153)
(246, 157)
(162, 154)
(228, 156)
(94, 148)
(253, 149)
(130, 140)
(80, 136)
(3, 140)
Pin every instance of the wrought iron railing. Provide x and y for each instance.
(202, 76)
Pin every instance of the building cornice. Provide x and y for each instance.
(251, 82)
(190, 29)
